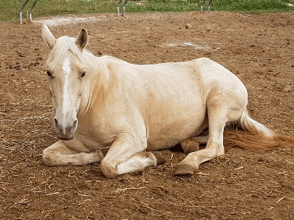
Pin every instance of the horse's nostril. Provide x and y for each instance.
(75, 124)
(65, 130)
(55, 122)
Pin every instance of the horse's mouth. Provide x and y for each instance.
(65, 133)
(65, 138)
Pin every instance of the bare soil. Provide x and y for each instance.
(239, 185)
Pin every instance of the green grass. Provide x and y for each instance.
(9, 8)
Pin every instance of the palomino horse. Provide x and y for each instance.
(110, 111)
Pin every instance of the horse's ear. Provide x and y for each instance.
(82, 39)
(48, 36)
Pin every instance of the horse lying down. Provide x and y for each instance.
(109, 111)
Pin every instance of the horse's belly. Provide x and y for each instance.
(175, 128)
(166, 141)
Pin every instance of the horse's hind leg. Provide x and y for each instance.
(59, 154)
(217, 118)
(221, 108)
(192, 144)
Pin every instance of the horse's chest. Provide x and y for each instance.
(95, 134)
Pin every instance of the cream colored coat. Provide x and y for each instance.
(110, 111)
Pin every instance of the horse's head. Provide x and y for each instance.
(66, 72)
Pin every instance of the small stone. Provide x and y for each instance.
(188, 26)
(288, 88)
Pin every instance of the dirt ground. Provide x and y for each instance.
(239, 185)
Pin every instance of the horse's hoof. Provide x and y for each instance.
(184, 170)
(159, 159)
(189, 146)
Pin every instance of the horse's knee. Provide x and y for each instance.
(109, 169)
(48, 157)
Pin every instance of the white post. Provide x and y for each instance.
(124, 11)
(20, 17)
(20, 10)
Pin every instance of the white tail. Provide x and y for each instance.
(254, 127)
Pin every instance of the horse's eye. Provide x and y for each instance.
(83, 75)
(49, 74)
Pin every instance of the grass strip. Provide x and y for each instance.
(9, 8)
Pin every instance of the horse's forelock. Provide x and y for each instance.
(61, 50)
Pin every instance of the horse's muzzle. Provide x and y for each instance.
(67, 132)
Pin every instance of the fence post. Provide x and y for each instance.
(20, 10)
(20, 17)
(31, 13)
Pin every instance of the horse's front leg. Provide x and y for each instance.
(59, 154)
(127, 155)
